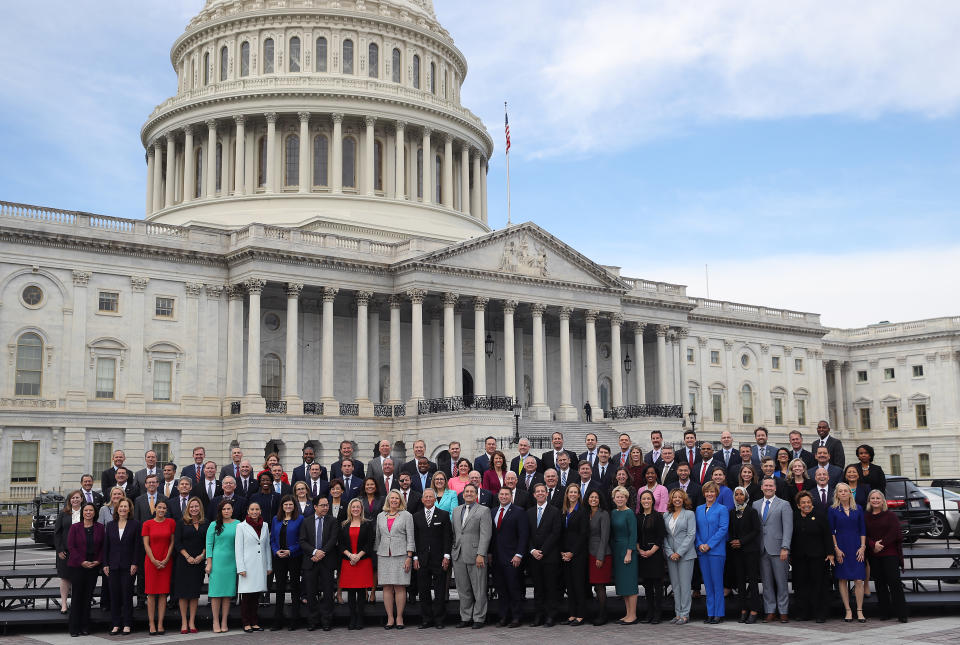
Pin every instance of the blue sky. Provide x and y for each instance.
(808, 153)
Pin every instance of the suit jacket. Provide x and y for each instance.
(606, 481)
(336, 473)
(300, 474)
(200, 490)
(123, 551)
(174, 512)
(323, 488)
(484, 498)
(108, 479)
(397, 540)
(684, 541)
(374, 469)
(472, 538)
(248, 487)
(666, 476)
(381, 485)
(728, 463)
(522, 498)
(162, 488)
(516, 467)
(328, 542)
(364, 540)
(411, 468)
(190, 471)
(681, 455)
(545, 537)
(433, 541)
(482, 463)
(97, 498)
(575, 532)
(583, 457)
(693, 491)
(755, 454)
(818, 506)
(413, 501)
(557, 498)
(353, 490)
(141, 507)
(239, 507)
(132, 490)
(747, 529)
(835, 446)
(650, 461)
(836, 473)
(778, 527)
(712, 528)
(511, 538)
(443, 463)
(522, 484)
(806, 456)
(77, 544)
(227, 471)
(811, 535)
(698, 468)
(595, 486)
(547, 462)
(415, 482)
(140, 477)
(269, 504)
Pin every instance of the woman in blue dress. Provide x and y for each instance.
(850, 544)
(724, 495)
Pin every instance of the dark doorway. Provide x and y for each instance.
(467, 388)
(274, 445)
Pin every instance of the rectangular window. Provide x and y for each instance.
(109, 301)
(895, 465)
(164, 308)
(693, 401)
(917, 371)
(861, 376)
(24, 462)
(717, 400)
(892, 420)
(798, 365)
(864, 418)
(714, 357)
(921, 409)
(775, 362)
(801, 412)
(102, 456)
(106, 378)
(923, 461)
(889, 373)
(162, 380)
(162, 448)
(778, 411)
(690, 355)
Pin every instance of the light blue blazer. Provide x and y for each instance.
(712, 529)
(683, 542)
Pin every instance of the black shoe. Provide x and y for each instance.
(537, 621)
(751, 619)
(439, 625)
(714, 621)
(502, 622)
(743, 617)
(821, 619)
(425, 624)
(327, 628)
(515, 623)
(400, 626)
(576, 623)
(311, 628)
(478, 625)
(464, 623)
(294, 624)
(706, 621)
(549, 622)
(599, 620)
(903, 619)
(276, 628)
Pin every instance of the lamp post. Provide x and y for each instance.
(516, 422)
(488, 345)
(692, 415)
(627, 364)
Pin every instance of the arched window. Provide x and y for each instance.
(224, 63)
(746, 397)
(348, 56)
(291, 161)
(320, 160)
(198, 172)
(321, 54)
(268, 56)
(437, 170)
(219, 163)
(433, 78)
(206, 68)
(349, 162)
(416, 71)
(420, 173)
(270, 377)
(373, 61)
(377, 165)
(294, 54)
(29, 365)
(245, 59)
(262, 162)
(396, 65)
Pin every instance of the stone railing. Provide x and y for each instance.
(97, 223)
(646, 410)
(738, 310)
(891, 330)
(662, 288)
(276, 234)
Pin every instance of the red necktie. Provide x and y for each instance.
(386, 484)
(703, 472)
(690, 458)
(197, 472)
(236, 473)
(500, 518)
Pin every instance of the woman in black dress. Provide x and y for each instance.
(811, 551)
(743, 554)
(748, 481)
(190, 545)
(574, 546)
(623, 479)
(650, 563)
(870, 473)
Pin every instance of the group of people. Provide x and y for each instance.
(728, 520)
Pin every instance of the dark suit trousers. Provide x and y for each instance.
(886, 573)
(83, 582)
(509, 586)
(285, 569)
(545, 582)
(575, 580)
(121, 597)
(432, 578)
(809, 586)
(318, 587)
(745, 576)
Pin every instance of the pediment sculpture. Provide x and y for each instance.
(524, 256)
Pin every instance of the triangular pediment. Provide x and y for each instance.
(524, 251)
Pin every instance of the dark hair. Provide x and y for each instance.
(604, 446)
(503, 458)
(219, 523)
(801, 495)
(856, 469)
(759, 428)
(284, 500)
(647, 469)
(534, 489)
(475, 489)
(376, 486)
(686, 432)
(460, 461)
(866, 447)
(653, 432)
(489, 438)
(91, 505)
(776, 457)
(336, 481)
(653, 503)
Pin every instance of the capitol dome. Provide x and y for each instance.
(319, 114)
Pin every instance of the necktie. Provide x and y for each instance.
(823, 496)
(210, 490)
(623, 458)
(500, 518)
(766, 509)
(348, 482)
(822, 442)
(656, 455)
(386, 483)
(590, 457)
(796, 454)
(90, 497)
(152, 504)
(603, 469)
(703, 472)
(319, 531)
(463, 519)
(404, 498)
(429, 516)
(539, 515)
(315, 491)
(550, 495)
(183, 504)
(196, 471)
(563, 479)
(690, 458)
(529, 479)
(236, 472)
(520, 465)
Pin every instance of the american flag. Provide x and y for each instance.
(506, 126)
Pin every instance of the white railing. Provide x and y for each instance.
(886, 330)
(752, 311)
(650, 286)
(38, 213)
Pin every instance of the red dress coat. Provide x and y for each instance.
(157, 581)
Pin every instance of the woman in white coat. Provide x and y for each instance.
(254, 564)
(395, 547)
(678, 546)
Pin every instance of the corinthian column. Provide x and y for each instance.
(362, 363)
(189, 169)
(427, 167)
(211, 174)
(305, 178)
(476, 207)
(449, 351)
(509, 367)
(253, 402)
(616, 376)
(479, 347)
(416, 346)
(593, 395)
(684, 393)
(151, 156)
(662, 394)
(465, 179)
(396, 302)
(838, 394)
(566, 412)
(271, 152)
(157, 175)
(331, 407)
(292, 372)
(446, 193)
(171, 178)
(539, 409)
(238, 177)
(399, 153)
(336, 168)
(638, 363)
(368, 155)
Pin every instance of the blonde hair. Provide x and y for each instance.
(710, 485)
(883, 499)
(790, 470)
(393, 492)
(620, 489)
(836, 500)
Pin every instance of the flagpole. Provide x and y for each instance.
(507, 155)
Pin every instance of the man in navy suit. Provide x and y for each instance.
(484, 497)
(176, 505)
(229, 485)
(195, 470)
(823, 491)
(433, 535)
(447, 459)
(686, 484)
(508, 544)
(605, 471)
(318, 543)
(667, 470)
(762, 449)
(419, 452)
(823, 462)
(352, 484)
(588, 484)
(233, 468)
(346, 452)
(797, 450)
(482, 463)
(590, 455)
(421, 477)
(518, 463)
(727, 454)
(653, 457)
(834, 446)
(529, 476)
(543, 522)
(302, 472)
(549, 458)
(316, 485)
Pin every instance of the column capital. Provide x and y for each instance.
(446, 137)
(401, 125)
(294, 289)
(590, 316)
(702, 341)
(188, 130)
(170, 136)
(764, 348)
(616, 318)
(158, 144)
(637, 326)
(271, 117)
(193, 289)
(337, 117)
(235, 291)
(417, 296)
(138, 283)
(480, 303)
(450, 298)
(427, 131)
(510, 306)
(255, 285)
(304, 117)
(727, 344)
(329, 293)
(396, 301)
(214, 291)
(787, 350)
(362, 297)
(239, 119)
(537, 309)
(565, 313)
(81, 278)
(662, 330)
(211, 124)
(151, 149)
(370, 121)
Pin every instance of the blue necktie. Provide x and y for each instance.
(766, 509)
(539, 515)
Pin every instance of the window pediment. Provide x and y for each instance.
(890, 399)
(862, 402)
(106, 347)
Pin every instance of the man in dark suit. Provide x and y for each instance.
(517, 464)
(195, 470)
(745, 457)
(302, 472)
(529, 477)
(387, 479)
(482, 463)
(177, 505)
(140, 477)
(833, 445)
(684, 483)
(125, 481)
(762, 448)
(346, 452)
(208, 487)
(588, 484)
(229, 492)
(419, 452)
(605, 471)
(447, 459)
(689, 453)
(554, 492)
(518, 496)
(233, 468)
(168, 480)
(653, 457)
(421, 476)
(667, 471)
(411, 498)
(767, 469)
(247, 484)
(316, 485)
(543, 520)
(279, 487)
(484, 497)
(823, 462)
(797, 451)
(144, 507)
(823, 492)
(108, 478)
(90, 495)
(549, 458)
(590, 455)
(433, 534)
(507, 545)
(351, 483)
(705, 465)
(727, 453)
(375, 465)
(318, 543)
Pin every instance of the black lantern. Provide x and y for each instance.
(488, 345)
(627, 364)
(692, 415)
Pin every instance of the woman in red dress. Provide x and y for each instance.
(271, 460)
(158, 565)
(356, 570)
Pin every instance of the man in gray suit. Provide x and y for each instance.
(150, 459)
(472, 529)
(776, 518)
(375, 465)
(762, 448)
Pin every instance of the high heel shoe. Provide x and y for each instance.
(860, 616)
(849, 617)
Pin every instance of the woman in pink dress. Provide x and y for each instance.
(461, 477)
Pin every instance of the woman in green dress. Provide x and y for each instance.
(222, 565)
(623, 541)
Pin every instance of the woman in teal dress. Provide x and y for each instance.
(446, 497)
(623, 541)
(222, 565)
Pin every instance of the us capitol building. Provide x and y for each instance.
(315, 262)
